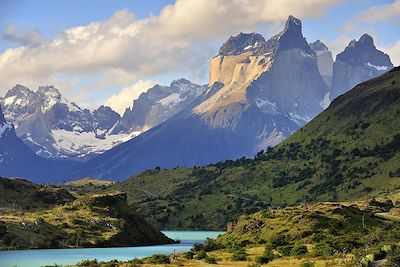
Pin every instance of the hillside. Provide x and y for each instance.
(34, 216)
(349, 151)
(322, 234)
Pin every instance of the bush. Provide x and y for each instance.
(307, 264)
(188, 255)
(264, 259)
(393, 258)
(202, 254)
(89, 263)
(135, 262)
(239, 255)
(323, 249)
(285, 250)
(211, 245)
(158, 259)
(299, 249)
(267, 256)
(278, 241)
(210, 260)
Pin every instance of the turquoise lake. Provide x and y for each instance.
(41, 257)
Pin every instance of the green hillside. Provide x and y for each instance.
(349, 151)
(34, 216)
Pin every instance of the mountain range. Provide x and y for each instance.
(349, 151)
(259, 93)
(56, 128)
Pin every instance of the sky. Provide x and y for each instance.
(109, 52)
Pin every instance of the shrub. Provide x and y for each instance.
(210, 260)
(279, 240)
(323, 249)
(264, 259)
(239, 255)
(285, 250)
(135, 262)
(89, 263)
(201, 255)
(307, 264)
(188, 255)
(393, 258)
(211, 245)
(299, 249)
(159, 259)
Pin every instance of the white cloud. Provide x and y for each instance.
(31, 37)
(337, 45)
(394, 52)
(385, 12)
(381, 13)
(175, 41)
(124, 99)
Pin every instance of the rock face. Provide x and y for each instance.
(157, 105)
(17, 160)
(359, 62)
(324, 61)
(259, 92)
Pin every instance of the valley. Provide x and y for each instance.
(288, 154)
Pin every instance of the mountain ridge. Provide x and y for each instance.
(349, 151)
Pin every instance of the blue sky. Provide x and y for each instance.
(141, 46)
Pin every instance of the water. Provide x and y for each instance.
(41, 257)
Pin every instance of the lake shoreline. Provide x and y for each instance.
(67, 256)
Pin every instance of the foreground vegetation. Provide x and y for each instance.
(34, 216)
(324, 234)
(350, 151)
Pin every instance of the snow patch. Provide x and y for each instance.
(9, 100)
(304, 54)
(380, 68)
(85, 143)
(250, 46)
(326, 101)
(261, 103)
(298, 118)
(172, 99)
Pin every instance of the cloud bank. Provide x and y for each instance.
(125, 49)
(123, 99)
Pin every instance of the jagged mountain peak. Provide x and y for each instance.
(179, 82)
(241, 42)
(49, 91)
(292, 37)
(363, 52)
(292, 23)
(319, 46)
(366, 40)
(18, 90)
(359, 61)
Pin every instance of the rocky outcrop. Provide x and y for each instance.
(360, 61)
(59, 220)
(324, 61)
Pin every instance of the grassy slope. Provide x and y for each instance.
(33, 216)
(349, 151)
(332, 233)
